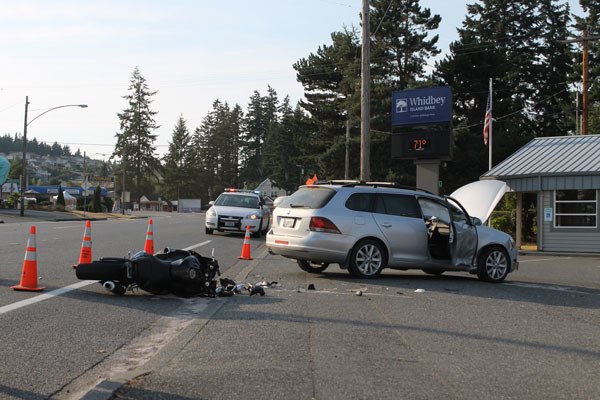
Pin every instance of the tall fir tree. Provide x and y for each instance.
(215, 154)
(401, 39)
(281, 156)
(510, 41)
(135, 141)
(261, 114)
(178, 162)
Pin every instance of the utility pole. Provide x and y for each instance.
(365, 102)
(123, 187)
(85, 186)
(584, 44)
(577, 112)
(584, 123)
(24, 160)
(347, 160)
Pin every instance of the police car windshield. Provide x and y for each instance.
(236, 200)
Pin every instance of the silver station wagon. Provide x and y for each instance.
(366, 227)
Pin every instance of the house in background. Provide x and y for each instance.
(267, 188)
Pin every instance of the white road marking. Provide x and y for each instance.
(545, 259)
(60, 291)
(68, 226)
(42, 297)
(197, 245)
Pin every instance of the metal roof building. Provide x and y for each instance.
(565, 173)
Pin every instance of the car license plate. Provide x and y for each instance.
(288, 222)
(229, 223)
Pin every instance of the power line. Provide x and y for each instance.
(383, 18)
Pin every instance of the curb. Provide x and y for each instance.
(556, 253)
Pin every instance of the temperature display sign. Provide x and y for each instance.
(418, 145)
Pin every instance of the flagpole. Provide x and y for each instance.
(490, 134)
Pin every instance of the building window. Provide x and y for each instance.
(575, 209)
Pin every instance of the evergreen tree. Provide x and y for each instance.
(258, 120)
(591, 23)
(403, 40)
(281, 156)
(401, 46)
(96, 204)
(331, 78)
(16, 169)
(56, 150)
(60, 198)
(331, 81)
(553, 105)
(510, 42)
(177, 162)
(135, 141)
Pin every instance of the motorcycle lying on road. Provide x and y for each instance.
(180, 272)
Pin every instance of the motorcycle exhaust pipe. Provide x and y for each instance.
(109, 285)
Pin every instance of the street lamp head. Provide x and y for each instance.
(83, 105)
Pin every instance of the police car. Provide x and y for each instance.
(235, 209)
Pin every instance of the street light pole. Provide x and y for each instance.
(24, 159)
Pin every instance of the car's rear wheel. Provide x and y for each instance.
(367, 259)
(312, 267)
(494, 265)
(433, 271)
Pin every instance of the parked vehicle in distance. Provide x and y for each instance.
(366, 227)
(235, 209)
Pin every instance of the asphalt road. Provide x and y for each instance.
(535, 336)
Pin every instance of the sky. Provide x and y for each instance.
(192, 52)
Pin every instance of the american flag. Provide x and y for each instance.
(488, 118)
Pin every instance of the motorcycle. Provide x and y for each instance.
(180, 272)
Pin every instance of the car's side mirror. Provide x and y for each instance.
(476, 221)
(211, 203)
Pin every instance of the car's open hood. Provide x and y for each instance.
(480, 198)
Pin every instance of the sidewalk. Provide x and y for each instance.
(13, 216)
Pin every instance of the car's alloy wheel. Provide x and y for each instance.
(368, 259)
(312, 267)
(494, 265)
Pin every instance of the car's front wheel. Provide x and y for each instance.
(494, 265)
(208, 231)
(312, 267)
(367, 259)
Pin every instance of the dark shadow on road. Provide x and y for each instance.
(467, 285)
(231, 311)
(131, 393)
(8, 392)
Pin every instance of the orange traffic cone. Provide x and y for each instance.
(149, 245)
(85, 255)
(246, 246)
(29, 277)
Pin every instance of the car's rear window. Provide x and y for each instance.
(309, 197)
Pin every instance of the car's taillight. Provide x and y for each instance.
(320, 224)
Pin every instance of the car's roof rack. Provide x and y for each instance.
(354, 183)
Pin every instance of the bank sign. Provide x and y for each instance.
(422, 106)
